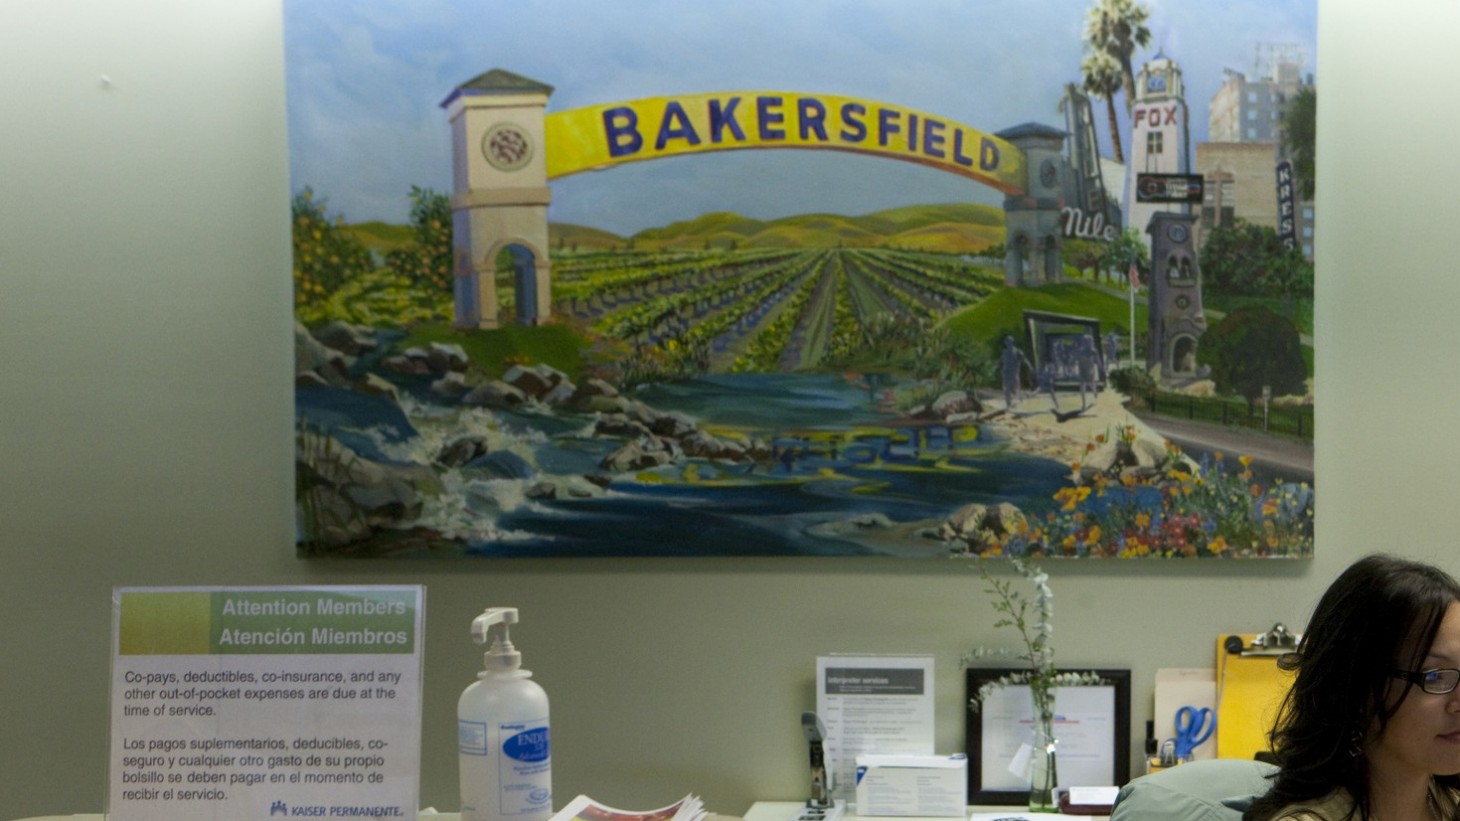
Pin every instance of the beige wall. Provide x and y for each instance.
(145, 428)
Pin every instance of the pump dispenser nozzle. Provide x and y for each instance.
(501, 655)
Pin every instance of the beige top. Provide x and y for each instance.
(1339, 806)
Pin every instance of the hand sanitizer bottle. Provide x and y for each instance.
(502, 732)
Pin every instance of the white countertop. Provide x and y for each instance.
(787, 810)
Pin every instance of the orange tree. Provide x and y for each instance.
(427, 261)
(325, 255)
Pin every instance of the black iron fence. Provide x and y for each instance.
(1292, 420)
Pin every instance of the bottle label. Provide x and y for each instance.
(506, 769)
(529, 746)
(525, 768)
(471, 737)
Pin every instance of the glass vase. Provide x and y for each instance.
(1043, 775)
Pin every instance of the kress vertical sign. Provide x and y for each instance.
(602, 136)
(1287, 222)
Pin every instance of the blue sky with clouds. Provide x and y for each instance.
(365, 80)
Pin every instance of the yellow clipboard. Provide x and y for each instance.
(1250, 689)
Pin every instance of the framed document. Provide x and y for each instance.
(1092, 726)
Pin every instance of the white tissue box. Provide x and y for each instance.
(922, 785)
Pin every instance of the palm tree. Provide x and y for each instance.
(1299, 136)
(1117, 27)
(1102, 79)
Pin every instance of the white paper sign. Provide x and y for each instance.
(873, 704)
(1084, 727)
(258, 703)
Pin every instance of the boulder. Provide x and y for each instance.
(538, 380)
(445, 358)
(541, 491)
(406, 365)
(354, 340)
(701, 445)
(674, 425)
(980, 526)
(954, 403)
(637, 455)
(314, 357)
(495, 394)
(374, 385)
(460, 450)
(450, 385)
(591, 389)
(618, 425)
(345, 497)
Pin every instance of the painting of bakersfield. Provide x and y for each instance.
(831, 278)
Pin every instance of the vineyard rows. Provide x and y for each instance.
(758, 311)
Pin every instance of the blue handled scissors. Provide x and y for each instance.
(1193, 726)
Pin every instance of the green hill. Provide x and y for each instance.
(949, 227)
(999, 314)
(582, 238)
(956, 227)
(380, 237)
(917, 216)
(695, 230)
(949, 237)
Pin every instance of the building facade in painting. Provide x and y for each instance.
(1160, 132)
(1247, 120)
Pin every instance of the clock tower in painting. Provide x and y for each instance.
(1176, 321)
(1160, 134)
(499, 196)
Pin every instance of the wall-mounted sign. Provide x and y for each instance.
(1076, 224)
(249, 703)
(601, 136)
(1168, 188)
(1287, 224)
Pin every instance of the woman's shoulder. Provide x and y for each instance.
(1339, 806)
(1336, 806)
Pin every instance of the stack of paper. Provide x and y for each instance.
(583, 808)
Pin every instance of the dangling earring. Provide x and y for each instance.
(1356, 745)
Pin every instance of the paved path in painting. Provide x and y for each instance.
(1289, 460)
(1038, 430)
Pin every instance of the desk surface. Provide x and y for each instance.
(759, 811)
(100, 817)
(787, 810)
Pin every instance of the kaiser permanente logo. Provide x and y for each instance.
(172, 622)
(279, 808)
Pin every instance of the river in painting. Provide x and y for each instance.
(842, 457)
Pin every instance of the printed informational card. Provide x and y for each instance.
(252, 703)
(873, 705)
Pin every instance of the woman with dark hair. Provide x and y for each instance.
(1370, 730)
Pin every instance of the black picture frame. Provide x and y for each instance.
(976, 677)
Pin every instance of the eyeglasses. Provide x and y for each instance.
(1438, 681)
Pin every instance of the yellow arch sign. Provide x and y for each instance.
(596, 137)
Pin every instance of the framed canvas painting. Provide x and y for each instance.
(828, 278)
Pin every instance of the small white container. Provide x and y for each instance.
(920, 785)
